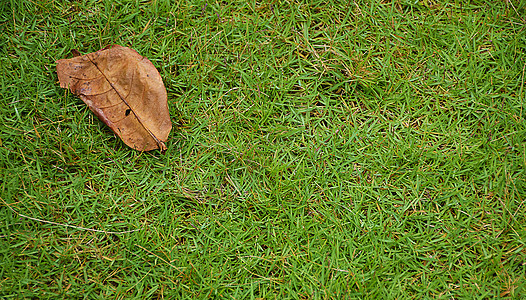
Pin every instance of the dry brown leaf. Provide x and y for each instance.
(124, 90)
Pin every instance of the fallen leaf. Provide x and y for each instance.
(124, 90)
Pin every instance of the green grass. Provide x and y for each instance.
(320, 150)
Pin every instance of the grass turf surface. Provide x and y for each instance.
(321, 149)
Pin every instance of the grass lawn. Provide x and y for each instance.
(320, 150)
